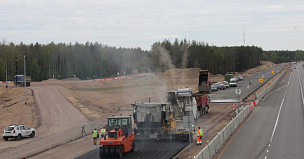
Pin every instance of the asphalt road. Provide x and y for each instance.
(229, 95)
(147, 150)
(276, 129)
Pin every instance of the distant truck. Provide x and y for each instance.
(19, 80)
(228, 77)
(204, 84)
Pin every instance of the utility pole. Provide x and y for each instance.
(6, 70)
(24, 81)
(244, 39)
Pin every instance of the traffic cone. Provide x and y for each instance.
(241, 101)
(233, 107)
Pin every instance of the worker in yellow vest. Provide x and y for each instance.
(94, 135)
(103, 132)
(199, 136)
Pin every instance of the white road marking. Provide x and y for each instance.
(277, 89)
(276, 123)
(301, 88)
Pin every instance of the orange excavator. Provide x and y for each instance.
(120, 138)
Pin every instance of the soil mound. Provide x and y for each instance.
(50, 80)
(72, 79)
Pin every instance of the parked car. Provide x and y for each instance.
(222, 86)
(217, 85)
(233, 82)
(226, 84)
(213, 88)
(18, 132)
(240, 78)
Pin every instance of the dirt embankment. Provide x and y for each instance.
(13, 109)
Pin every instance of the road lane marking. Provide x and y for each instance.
(278, 89)
(276, 123)
(301, 88)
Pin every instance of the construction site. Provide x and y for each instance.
(159, 114)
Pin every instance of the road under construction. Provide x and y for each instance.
(170, 149)
(54, 128)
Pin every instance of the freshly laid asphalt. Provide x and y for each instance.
(159, 150)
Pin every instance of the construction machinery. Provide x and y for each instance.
(173, 119)
(120, 138)
(204, 84)
(154, 121)
(19, 80)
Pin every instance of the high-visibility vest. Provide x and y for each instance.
(95, 132)
(103, 131)
(200, 132)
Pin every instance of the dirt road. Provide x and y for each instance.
(57, 114)
(60, 122)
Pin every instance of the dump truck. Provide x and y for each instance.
(120, 138)
(228, 76)
(202, 102)
(19, 80)
(204, 84)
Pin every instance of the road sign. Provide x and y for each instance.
(261, 80)
(238, 91)
(272, 71)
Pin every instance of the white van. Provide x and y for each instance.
(233, 82)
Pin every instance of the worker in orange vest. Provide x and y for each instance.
(199, 136)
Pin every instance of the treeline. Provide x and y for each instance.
(283, 56)
(95, 60)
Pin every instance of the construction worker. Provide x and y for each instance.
(94, 132)
(103, 132)
(199, 136)
(249, 81)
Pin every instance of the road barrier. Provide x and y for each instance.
(209, 150)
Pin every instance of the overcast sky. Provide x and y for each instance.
(270, 24)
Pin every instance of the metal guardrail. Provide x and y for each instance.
(209, 150)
